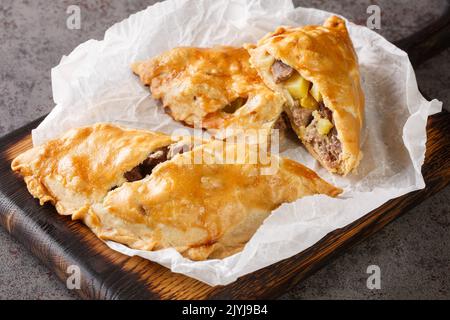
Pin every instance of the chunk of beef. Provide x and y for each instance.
(146, 167)
(156, 157)
(328, 147)
(134, 174)
(302, 117)
(333, 147)
(281, 71)
(325, 112)
(281, 123)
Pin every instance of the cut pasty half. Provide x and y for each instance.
(214, 88)
(205, 201)
(204, 210)
(316, 70)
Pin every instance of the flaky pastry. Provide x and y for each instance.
(214, 88)
(83, 165)
(149, 191)
(316, 70)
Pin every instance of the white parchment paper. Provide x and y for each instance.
(94, 84)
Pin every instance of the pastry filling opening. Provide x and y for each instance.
(235, 105)
(322, 135)
(309, 114)
(156, 157)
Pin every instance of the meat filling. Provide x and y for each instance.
(146, 167)
(235, 105)
(156, 157)
(281, 123)
(281, 71)
(314, 119)
(302, 117)
(325, 112)
(328, 146)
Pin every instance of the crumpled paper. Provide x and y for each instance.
(94, 84)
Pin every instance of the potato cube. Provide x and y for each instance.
(324, 126)
(316, 93)
(297, 86)
(308, 102)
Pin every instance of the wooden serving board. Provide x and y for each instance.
(106, 274)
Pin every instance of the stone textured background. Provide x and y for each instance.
(413, 252)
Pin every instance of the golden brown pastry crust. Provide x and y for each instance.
(204, 210)
(323, 55)
(195, 86)
(205, 203)
(80, 167)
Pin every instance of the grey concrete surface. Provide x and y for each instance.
(413, 252)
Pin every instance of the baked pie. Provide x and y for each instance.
(212, 88)
(315, 68)
(84, 164)
(151, 191)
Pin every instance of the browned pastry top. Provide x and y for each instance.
(197, 85)
(323, 55)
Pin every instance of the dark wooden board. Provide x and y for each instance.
(106, 274)
(59, 242)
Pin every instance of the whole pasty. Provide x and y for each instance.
(316, 69)
(212, 88)
(136, 188)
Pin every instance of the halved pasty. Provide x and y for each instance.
(137, 188)
(316, 69)
(202, 204)
(212, 88)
